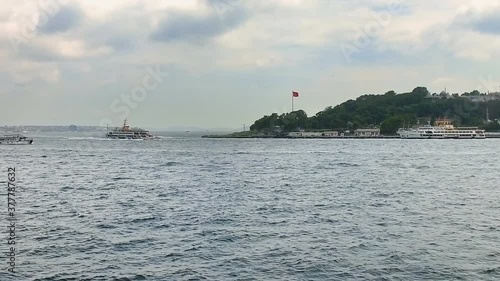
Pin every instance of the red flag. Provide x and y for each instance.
(295, 94)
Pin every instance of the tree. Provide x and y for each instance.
(392, 124)
(492, 127)
(390, 110)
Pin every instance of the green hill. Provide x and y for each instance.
(389, 112)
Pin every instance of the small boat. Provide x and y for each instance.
(16, 139)
(126, 133)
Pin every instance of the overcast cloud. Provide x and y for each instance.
(224, 63)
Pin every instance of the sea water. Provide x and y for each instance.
(187, 208)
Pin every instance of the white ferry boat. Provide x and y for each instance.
(16, 139)
(443, 130)
(126, 133)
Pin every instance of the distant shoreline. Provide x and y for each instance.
(231, 136)
(288, 137)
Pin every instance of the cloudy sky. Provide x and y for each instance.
(224, 63)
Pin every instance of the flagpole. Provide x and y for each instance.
(292, 101)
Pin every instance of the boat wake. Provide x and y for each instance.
(89, 138)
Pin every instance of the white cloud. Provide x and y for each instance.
(25, 72)
(282, 44)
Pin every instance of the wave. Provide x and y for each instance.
(169, 164)
(344, 164)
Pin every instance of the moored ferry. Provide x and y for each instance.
(126, 133)
(443, 130)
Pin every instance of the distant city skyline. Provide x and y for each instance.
(222, 63)
(83, 128)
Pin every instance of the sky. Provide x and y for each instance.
(225, 63)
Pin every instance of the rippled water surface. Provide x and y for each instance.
(221, 209)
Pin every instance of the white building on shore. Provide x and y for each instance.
(367, 132)
(326, 134)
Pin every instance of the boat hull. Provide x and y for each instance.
(22, 142)
(440, 137)
(126, 133)
(423, 135)
(135, 137)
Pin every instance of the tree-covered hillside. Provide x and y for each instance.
(388, 112)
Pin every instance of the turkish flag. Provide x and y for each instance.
(295, 94)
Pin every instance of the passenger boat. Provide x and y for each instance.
(126, 133)
(443, 130)
(16, 139)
